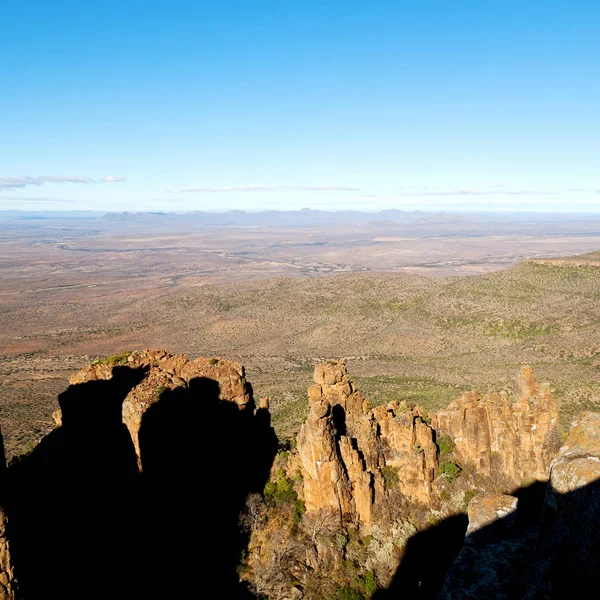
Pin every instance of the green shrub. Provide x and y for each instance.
(469, 495)
(114, 360)
(213, 361)
(449, 470)
(281, 491)
(367, 583)
(348, 593)
(390, 476)
(159, 391)
(445, 445)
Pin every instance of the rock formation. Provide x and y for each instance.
(567, 558)
(548, 549)
(490, 564)
(351, 453)
(485, 509)
(82, 510)
(7, 577)
(167, 372)
(8, 582)
(348, 450)
(362, 485)
(498, 436)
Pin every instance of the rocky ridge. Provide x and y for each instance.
(496, 435)
(383, 473)
(115, 487)
(167, 372)
(346, 503)
(351, 453)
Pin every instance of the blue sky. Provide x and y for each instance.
(153, 105)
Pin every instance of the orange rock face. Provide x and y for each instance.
(351, 453)
(485, 509)
(578, 462)
(347, 449)
(7, 578)
(494, 435)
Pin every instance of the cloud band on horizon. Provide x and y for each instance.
(13, 183)
(272, 188)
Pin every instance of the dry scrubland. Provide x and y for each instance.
(403, 336)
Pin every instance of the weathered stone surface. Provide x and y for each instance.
(349, 450)
(8, 584)
(567, 560)
(490, 565)
(495, 435)
(578, 461)
(57, 417)
(485, 509)
(549, 549)
(344, 445)
(326, 484)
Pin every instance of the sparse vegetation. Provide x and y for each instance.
(281, 491)
(445, 445)
(405, 337)
(114, 360)
(390, 476)
(449, 470)
(468, 496)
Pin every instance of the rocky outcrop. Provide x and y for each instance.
(7, 577)
(84, 519)
(164, 373)
(350, 452)
(490, 565)
(567, 559)
(8, 583)
(501, 437)
(485, 509)
(537, 548)
(578, 461)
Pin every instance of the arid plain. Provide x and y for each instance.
(421, 306)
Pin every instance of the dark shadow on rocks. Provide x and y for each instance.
(548, 549)
(68, 500)
(84, 523)
(201, 457)
(427, 557)
(338, 416)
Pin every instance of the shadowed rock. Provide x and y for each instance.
(85, 522)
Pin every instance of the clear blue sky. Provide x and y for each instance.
(155, 105)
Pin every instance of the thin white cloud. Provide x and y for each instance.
(272, 188)
(13, 183)
(112, 179)
(41, 200)
(480, 193)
